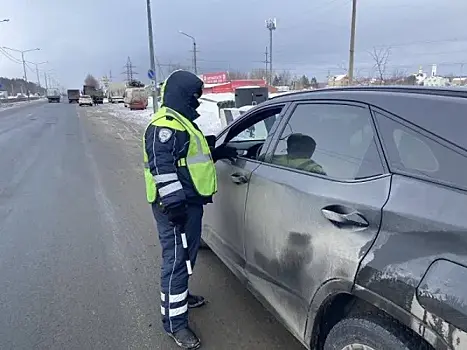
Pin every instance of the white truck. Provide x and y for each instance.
(53, 95)
(116, 92)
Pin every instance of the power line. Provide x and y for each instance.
(9, 56)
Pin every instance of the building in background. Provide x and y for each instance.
(338, 80)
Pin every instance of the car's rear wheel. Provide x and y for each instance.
(366, 334)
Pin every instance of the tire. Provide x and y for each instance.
(362, 331)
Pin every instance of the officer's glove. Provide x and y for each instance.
(224, 152)
(177, 215)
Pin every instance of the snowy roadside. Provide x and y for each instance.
(10, 105)
(208, 122)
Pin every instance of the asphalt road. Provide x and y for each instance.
(79, 257)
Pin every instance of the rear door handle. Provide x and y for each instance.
(344, 218)
(239, 179)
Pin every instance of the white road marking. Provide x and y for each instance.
(120, 136)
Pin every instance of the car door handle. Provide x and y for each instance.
(239, 179)
(344, 218)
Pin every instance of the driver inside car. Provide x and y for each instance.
(300, 149)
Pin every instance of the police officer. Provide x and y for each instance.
(180, 178)
(300, 149)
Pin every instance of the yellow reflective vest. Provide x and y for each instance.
(198, 160)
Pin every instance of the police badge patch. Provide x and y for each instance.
(165, 135)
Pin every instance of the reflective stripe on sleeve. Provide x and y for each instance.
(170, 188)
(165, 177)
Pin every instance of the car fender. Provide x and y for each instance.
(404, 317)
(334, 287)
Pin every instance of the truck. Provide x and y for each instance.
(53, 95)
(73, 95)
(116, 92)
(97, 95)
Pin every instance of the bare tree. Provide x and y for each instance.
(285, 77)
(381, 58)
(259, 74)
(90, 80)
(237, 75)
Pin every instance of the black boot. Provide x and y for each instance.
(186, 339)
(195, 301)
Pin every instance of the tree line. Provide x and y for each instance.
(16, 86)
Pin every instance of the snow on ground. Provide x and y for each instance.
(9, 105)
(208, 121)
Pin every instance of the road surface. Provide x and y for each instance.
(79, 257)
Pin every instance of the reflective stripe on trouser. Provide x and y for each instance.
(174, 270)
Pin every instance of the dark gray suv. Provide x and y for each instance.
(346, 215)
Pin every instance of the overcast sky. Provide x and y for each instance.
(312, 36)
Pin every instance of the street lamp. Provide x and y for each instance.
(194, 50)
(5, 20)
(24, 62)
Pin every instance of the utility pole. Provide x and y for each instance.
(271, 25)
(195, 67)
(45, 78)
(352, 41)
(37, 71)
(24, 64)
(266, 61)
(152, 61)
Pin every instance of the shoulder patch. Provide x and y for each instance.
(165, 134)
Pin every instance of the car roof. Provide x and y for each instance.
(441, 111)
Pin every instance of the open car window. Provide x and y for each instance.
(256, 127)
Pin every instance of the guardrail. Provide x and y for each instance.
(17, 99)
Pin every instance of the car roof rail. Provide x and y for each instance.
(424, 90)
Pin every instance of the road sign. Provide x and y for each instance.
(153, 88)
(153, 82)
(151, 74)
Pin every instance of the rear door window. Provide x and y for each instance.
(420, 154)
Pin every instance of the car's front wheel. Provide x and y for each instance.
(366, 334)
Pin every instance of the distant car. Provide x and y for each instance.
(85, 100)
(345, 214)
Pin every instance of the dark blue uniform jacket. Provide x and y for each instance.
(166, 146)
